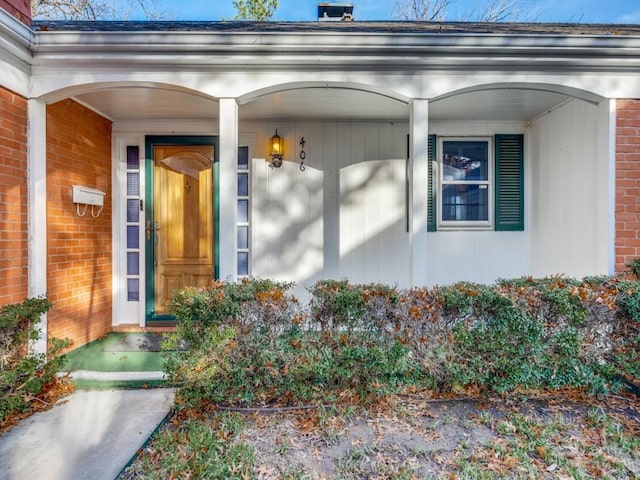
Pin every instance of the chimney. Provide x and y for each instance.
(335, 12)
(21, 9)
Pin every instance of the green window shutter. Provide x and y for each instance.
(432, 218)
(509, 203)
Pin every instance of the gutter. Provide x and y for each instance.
(370, 51)
(16, 40)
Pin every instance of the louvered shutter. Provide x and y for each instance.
(509, 201)
(432, 218)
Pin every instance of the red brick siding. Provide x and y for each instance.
(14, 256)
(78, 248)
(627, 243)
(21, 9)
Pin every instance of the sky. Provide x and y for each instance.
(583, 11)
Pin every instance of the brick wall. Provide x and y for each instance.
(21, 9)
(13, 198)
(78, 248)
(627, 244)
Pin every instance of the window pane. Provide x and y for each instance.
(466, 203)
(243, 158)
(243, 184)
(243, 237)
(133, 158)
(243, 211)
(465, 160)
(133, 238)
(133, 264)
(133, 185)
(133, 211)
(243, 263)
(133, 290)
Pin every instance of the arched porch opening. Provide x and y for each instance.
(566, 189)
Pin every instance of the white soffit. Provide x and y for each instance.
(140, 103)
(495, 105)
(324, 104)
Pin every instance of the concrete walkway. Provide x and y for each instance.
(91, 434)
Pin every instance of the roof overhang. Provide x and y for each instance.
(16, 40)
(307, 47)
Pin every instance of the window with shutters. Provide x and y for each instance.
(476, 183)
(465, 174)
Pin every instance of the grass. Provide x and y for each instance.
(545, 437)
(391, 362)
(594, 445)
(197, 446)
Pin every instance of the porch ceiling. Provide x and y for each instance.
(139, 103)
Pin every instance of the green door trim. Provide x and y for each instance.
(191, 140)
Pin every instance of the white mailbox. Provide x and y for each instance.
(88, 196)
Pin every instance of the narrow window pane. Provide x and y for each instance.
(243, 158)
(133, 290)
(243, 211)
(243, 184)
(133, 210)
(133, 263)
(133, 237)
(133, 184)
(465, 203)
(133, 158)
(465, 161)
(243, 237)
(243, 263)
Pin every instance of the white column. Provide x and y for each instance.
(419, 131)
(607, 152)
(37, 208)
(228, 144)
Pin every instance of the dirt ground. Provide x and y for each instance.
(410, 437)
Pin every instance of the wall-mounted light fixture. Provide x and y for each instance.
(276, 150)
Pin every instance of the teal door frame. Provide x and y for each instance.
(166, 140)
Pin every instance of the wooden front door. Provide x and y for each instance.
(180, 227)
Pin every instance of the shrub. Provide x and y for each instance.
(629, 299)
(634, 266)
(263, 348)
(253, 342)
(496, 344)
(23, 375)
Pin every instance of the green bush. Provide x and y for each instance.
(263, 348)
(252, 343)
(634, 266)
(23, 375)
(629, 299)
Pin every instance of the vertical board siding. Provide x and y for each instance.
(474, 255)
(344, 216)
(568, 235)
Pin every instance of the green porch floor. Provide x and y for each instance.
(117, 353)
(112, 354)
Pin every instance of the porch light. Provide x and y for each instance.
(276, 149)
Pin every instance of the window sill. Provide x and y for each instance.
(465, 228)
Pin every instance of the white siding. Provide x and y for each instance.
(374, 242)
(479, 256)
(570, 187)
(344, 216)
